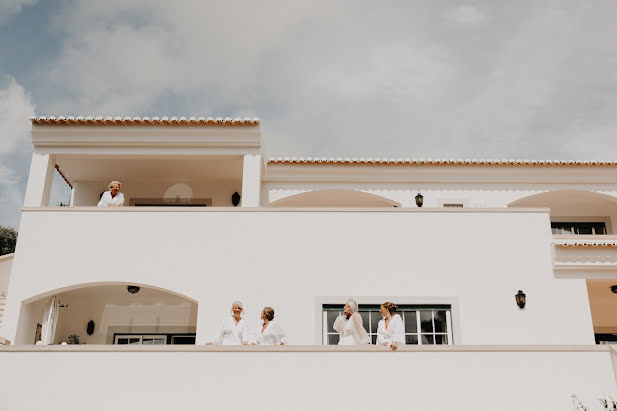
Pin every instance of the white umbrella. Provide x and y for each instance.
(50, 320)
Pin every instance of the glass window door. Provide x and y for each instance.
(141, 339)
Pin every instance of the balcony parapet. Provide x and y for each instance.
(448, 210)
(585, 256)
(310, 348)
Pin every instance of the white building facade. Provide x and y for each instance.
(208, 219)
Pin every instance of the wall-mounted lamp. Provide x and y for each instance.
(90, 327)
(520, 299)
(133, 289)
(419, 200)
(235, 199)
(614, 289)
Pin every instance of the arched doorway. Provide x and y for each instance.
(576, 211)
(335, 198)
(139, 315)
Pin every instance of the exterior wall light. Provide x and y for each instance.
(614, 289)
(90, 327)
(133, 289)
(419, 200)
(520, 299)
(235, 199)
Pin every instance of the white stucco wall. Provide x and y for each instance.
(6, 264)
(296, 260)
(288, 380)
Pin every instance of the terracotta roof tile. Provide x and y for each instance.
(586, 243)
(435, 162)
(145, 121)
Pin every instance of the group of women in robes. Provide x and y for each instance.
(234, 330)
(390, 330)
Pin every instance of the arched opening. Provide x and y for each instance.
(576, 211)
(148, 316)
(335, 198)
(579, 214)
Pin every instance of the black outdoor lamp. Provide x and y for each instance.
(133, 289)
(520, 299)
(419, 200)
(90, 327)
(235, 199)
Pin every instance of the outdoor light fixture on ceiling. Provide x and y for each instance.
(133, 289)
(614, 289)
(90, 327)
(235, 199)
(419, 200)
(520, 299)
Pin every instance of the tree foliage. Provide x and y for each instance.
(8, 240)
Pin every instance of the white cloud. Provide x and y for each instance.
(353, 77)
(465, 16)
(9, 8)
(7, 175)
(15, 110)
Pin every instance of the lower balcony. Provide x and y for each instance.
(305, 377)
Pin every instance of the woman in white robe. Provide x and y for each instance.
(113, 197)
(349, 325)
(270, 332)
(390, 329)
(234, 330)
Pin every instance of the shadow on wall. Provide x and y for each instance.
(335, 198)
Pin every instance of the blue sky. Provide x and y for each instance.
(476, 79)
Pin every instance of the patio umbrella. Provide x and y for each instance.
(50, 320)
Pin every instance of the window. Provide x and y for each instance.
(156, 339)
(598, 228)
(423, 324)
(140, 339)
(606, 338)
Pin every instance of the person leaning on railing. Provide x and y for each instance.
(349, 325)
(390, 330)
(233, 330)
(113, 197)
(269, 332)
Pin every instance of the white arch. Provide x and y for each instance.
(103, 283)
(335, 198)
(552, 196)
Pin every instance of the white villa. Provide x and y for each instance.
(209, 219)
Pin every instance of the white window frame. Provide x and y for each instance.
(407, 308)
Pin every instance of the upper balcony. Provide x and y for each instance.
(160, 162)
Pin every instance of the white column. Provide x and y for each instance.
(251, 180)
(39, 180)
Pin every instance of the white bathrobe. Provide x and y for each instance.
(352, 331)
(394, 333)
(108, 201)
(232, 333)
(272, 335)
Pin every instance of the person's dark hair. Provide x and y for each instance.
(391, 307)
(269, 313)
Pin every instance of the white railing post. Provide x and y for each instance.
(39, 180)
(251, 180)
